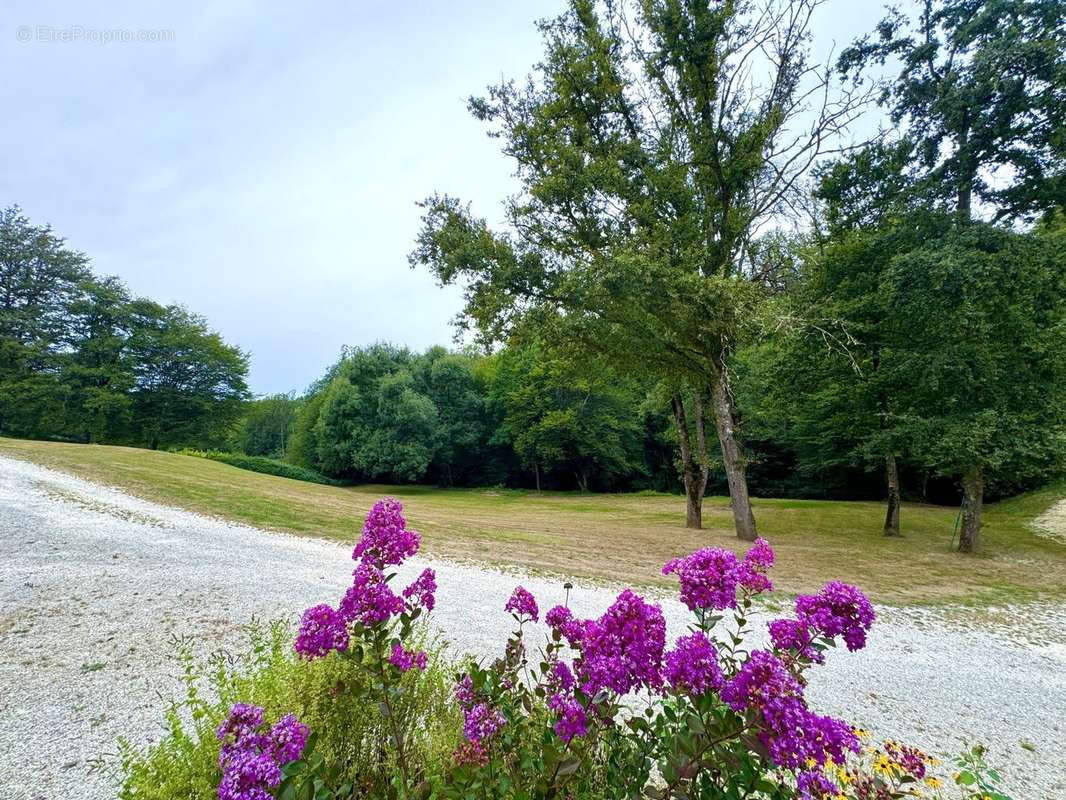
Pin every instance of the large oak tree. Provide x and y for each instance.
(652, 142)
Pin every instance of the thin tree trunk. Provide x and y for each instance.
(695, 483)
(973, 498)
(732, 458)
(536, 474)
(964, 195)
(892, 479)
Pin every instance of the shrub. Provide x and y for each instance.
(347, 732)
(604, 710)
(268, 466)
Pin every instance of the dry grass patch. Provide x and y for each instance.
(616, 538)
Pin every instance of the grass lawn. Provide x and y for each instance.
(617, 538)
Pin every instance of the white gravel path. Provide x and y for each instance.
(90, 576)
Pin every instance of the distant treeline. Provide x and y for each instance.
(83, 360)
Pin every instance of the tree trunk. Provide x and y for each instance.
(693, 474)
(964, 196)
(973, 498)
(536, 474)
(732, 459)
(892, 479)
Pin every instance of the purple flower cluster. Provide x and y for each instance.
(322, 629)
(480, 722)
(251, 758)
(813, 785)
(791, 634)
(572, 718)
(762, 678)
(623, 649)
(386, 540)
(522, 604)
(560, 678)
(710, 577)
(797, 737)
(561, 618)
(692, 666)
(757, 562)
(838, 609)
(404, 659)
(793, 734)
(419, 593)
(369, 600)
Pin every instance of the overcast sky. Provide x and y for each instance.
(261, 162)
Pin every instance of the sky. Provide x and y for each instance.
(260, 163)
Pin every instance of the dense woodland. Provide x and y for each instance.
(705, 284)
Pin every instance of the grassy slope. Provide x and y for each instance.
(623, 538)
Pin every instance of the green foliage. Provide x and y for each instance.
(978, 97)
(80, 359)
(348, 731)
(978, 328)
(560, 416)
(266, 425)
(268, 466)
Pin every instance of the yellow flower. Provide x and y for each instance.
(933, 782)
(883, 765)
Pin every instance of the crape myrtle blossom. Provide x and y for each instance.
(709, 577)
(404, 659)
(561, 618)
(419, 593)
(572, 718)
(322, 630)
(838, 609)
(751, 572)
(791, 634)
(481, 721)
(370, 600)
(692, 666)
(386, 540)
(251, 758)
(522, 604)
(793, 734)
(623, 649)
(813, 785)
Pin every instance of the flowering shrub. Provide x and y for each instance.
(603, 708)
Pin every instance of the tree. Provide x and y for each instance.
(450, 383)
(189, 384)
(95, 363)
(835, 380)
(562, 417)
(265, 428)
(373, 420)
(654, 141)
(978, 324)
(39, 278)
(981, 102)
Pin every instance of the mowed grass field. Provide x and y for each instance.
(622, 538)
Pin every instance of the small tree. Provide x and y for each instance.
(978, 325)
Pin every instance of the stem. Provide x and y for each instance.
(396, 735)
(698, 758)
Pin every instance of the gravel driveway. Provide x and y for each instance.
(94, 583)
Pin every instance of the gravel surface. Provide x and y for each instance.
(95, 583)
